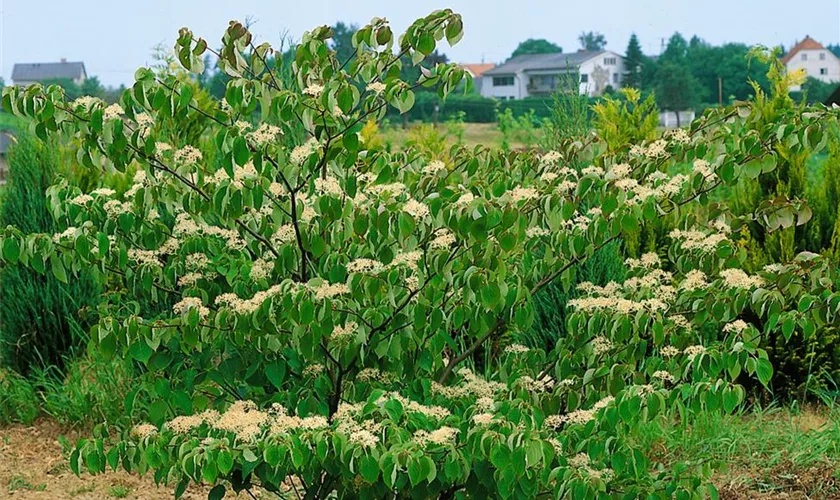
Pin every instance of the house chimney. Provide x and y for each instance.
(64, 59)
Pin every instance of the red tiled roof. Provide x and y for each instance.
(478, 69)
(807, 43)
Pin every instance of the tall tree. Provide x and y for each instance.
(342, 40)
(633, 61)
(592, 41)
(91, 86)
(536, 46)
(676, 88)
(677, 49)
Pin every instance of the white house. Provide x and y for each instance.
(535, 75)
(476, 71)
(24, 74)
(817, 61)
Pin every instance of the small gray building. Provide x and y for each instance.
(5, 144)
(28, 73)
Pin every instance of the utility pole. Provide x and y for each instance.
(720, 92)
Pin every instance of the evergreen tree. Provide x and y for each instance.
(633, 61)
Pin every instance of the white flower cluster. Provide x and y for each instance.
(601, 345)
(328, 290)
(669, 351)
(434, 167)
(472, 387)
(695, 239)
(112, 112)
(578, 416)
(189, 303)
(737, 278)
(247, 306)
(376, 87)
(328, 186)
(301, 153)
(736, 326)
(536, 386)
(518, 194)
(444, 238)
(693, 351)
(550, 157)
(703, 168)
(664, 376)
(144, 257)
(240, 174)
(441, 436)
(516, 349)
(680, 136)
(647, 261)
(185, 226)
(416, 208)
(261, 269)
(342, 336)
(187, 155)
(314, 90)
(694, 280)
(364, 265)
(264, 135)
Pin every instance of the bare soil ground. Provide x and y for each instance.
(32, 466)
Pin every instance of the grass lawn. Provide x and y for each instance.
(474, 134)
(773, 453)
(10, 122)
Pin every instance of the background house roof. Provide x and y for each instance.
(478, 69)
(807, 43)
(527, 62)
(36, 72)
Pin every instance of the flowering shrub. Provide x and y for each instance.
(341, 314)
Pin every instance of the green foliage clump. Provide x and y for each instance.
(42, 317)
(551, 309)
(340, 315)
(91, 390)
(18, 401)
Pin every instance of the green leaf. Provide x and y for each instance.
(217, 493)
(764, 370)
(276, 373)
(224, 461)
(11, 250)
(426, 43)
(369, 468)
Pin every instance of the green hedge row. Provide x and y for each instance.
(476, 109)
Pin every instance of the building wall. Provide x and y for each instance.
(4, 168)
(813, 64)
(614, 73)
(515, 91)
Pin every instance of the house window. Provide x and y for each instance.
(609, 61)
(804, 57)
(822, 56)
(823, 71)
(584, 78)
(502, 81)
(615, 77)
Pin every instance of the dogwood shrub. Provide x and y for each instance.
(339, 317)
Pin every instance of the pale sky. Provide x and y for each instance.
(114, 37)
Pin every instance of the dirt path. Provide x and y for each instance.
(32, 466)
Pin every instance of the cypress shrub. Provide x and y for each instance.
(550, 304)
(41, 319)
